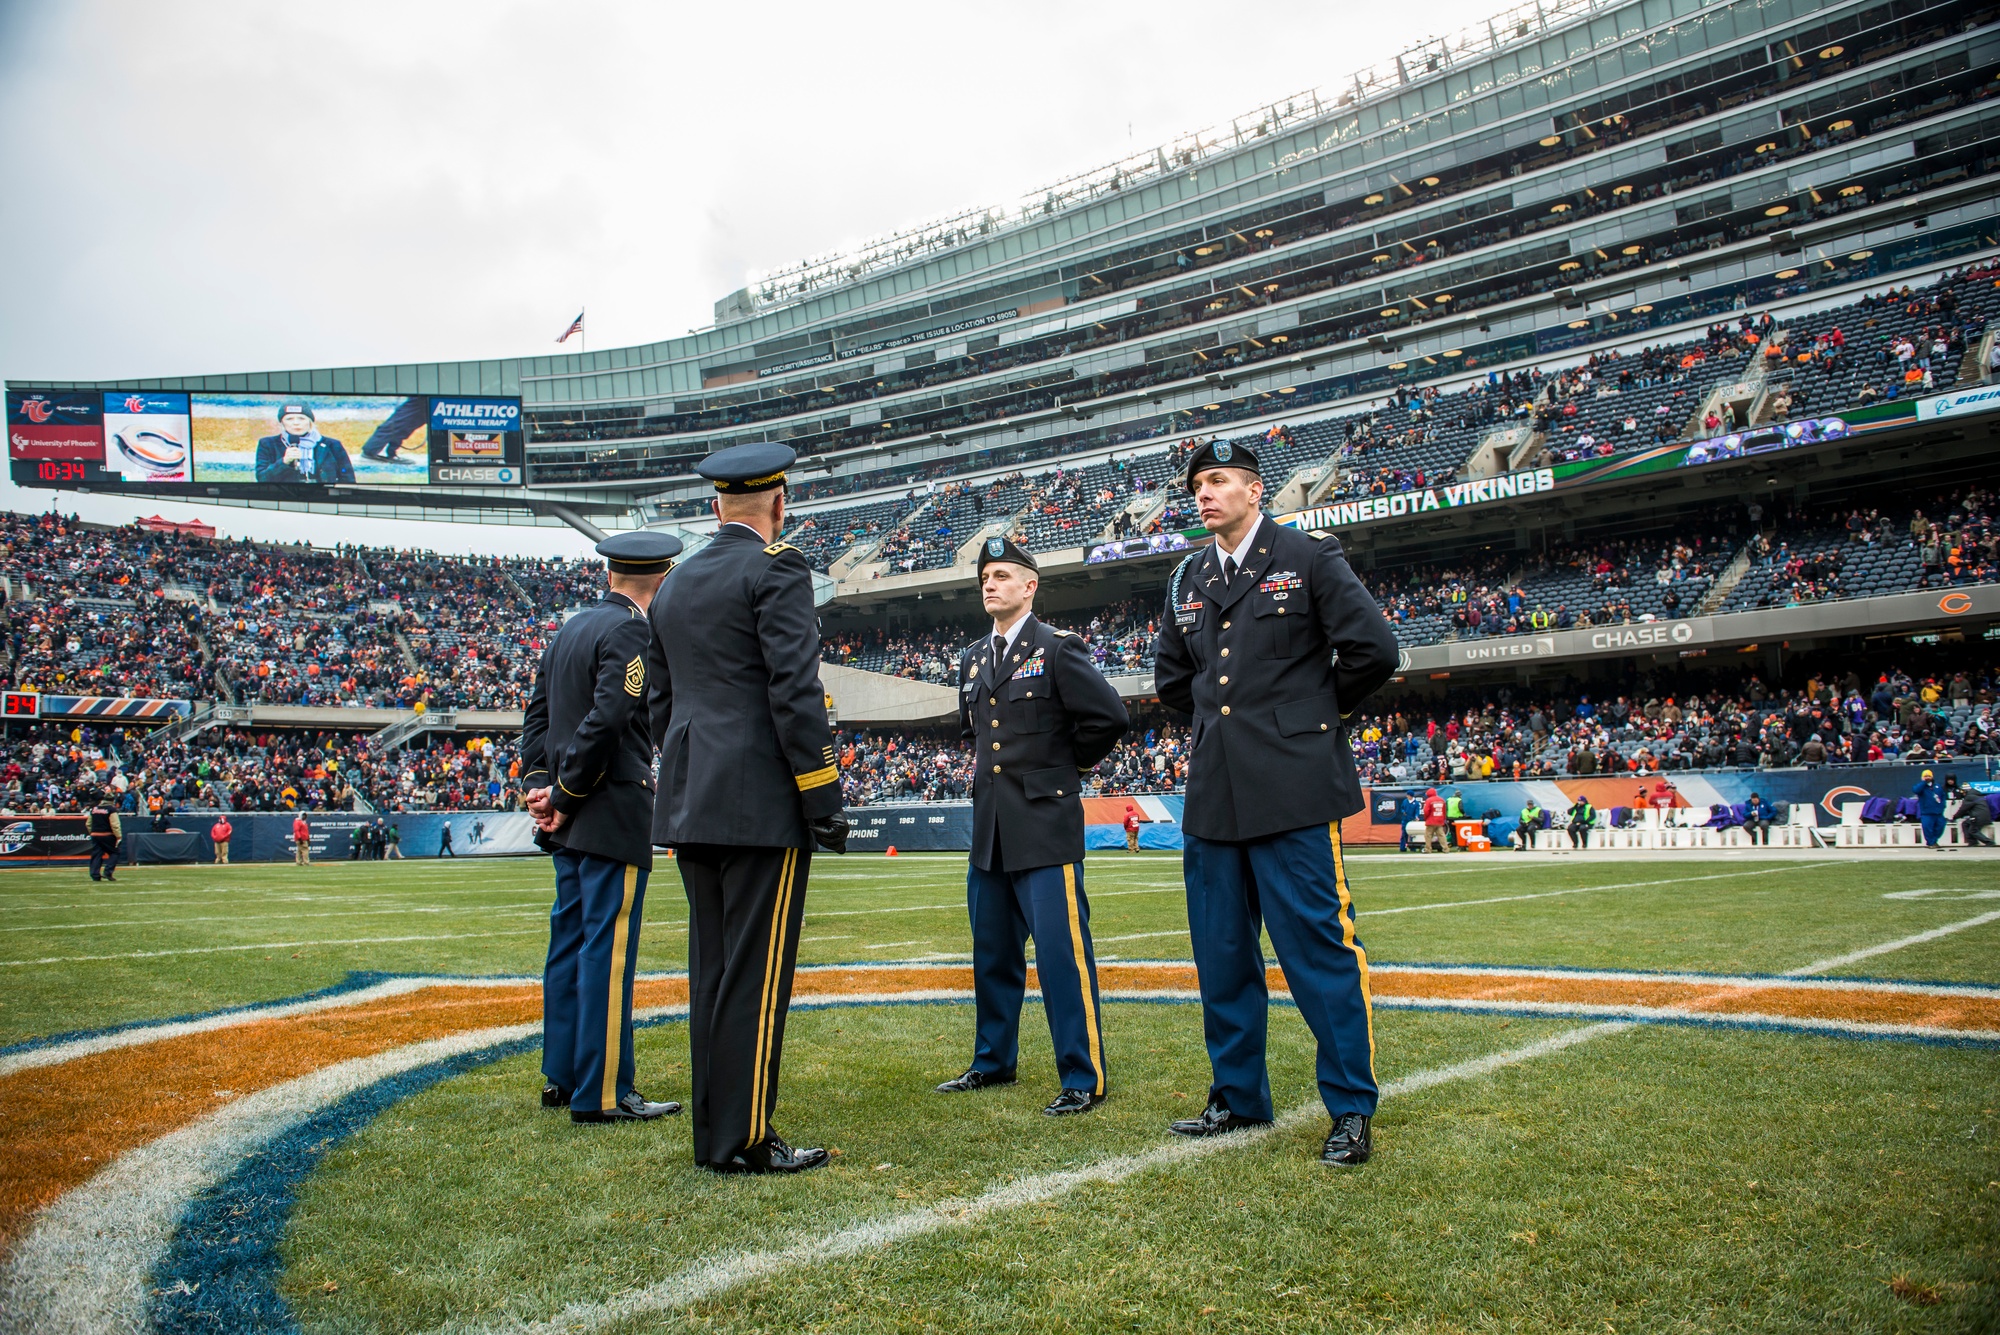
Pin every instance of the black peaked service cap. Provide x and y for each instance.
(1220, 454)
(639, 552)
(758, 466)
(1005, 549)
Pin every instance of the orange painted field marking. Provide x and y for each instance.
(70, 1118)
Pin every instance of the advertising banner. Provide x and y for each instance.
(477, 442)
(1984, 399)
(44, 839)
(311, 440)
(1125, 550)
(43, 424)
(146, 436)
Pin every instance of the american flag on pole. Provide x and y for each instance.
(575, 327)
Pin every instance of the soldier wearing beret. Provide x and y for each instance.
(747, 788)
(1270, 641)
(586, 764)
(1039, 715)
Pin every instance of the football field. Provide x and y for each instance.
(1621, 1093)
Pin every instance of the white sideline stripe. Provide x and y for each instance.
(496, 910)
(1855, 956)
(55, 1054)
(1683, 1014)
(1795, 980)
(265, 945)
(1578, 890)
(1144, 936)
(707, 1279)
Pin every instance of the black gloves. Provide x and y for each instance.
(829, 832)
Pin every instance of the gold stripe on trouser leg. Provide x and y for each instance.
(1083, 976)
(614, 1014)
(1347, 938)
(767, 1007)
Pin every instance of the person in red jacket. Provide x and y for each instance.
(220, 832)
(301, 842)
(1435, 840)
(1131, 828)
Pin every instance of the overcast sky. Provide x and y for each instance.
(225, 186)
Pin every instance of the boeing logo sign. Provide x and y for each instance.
(1971, 401)
(475, 414)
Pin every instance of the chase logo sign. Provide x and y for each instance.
(1959, 405)
(475, 414)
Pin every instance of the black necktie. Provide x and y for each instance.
(1228, 570)
(999, 650)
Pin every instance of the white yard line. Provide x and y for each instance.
(1144, 936)
(505, 910)
(1855, 956)
(1579, 890)
(266, 945)
(710, 1278)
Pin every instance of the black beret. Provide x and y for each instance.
(1005, 549)
(1220, 454)
(639, 552)
(758, 466)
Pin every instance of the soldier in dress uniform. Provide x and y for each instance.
(587, 767)
(1248, 646)
(748, 787)
(1039, 716)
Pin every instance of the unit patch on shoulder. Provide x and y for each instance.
(777, 547)
(635, 676)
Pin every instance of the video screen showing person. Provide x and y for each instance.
(312, 440)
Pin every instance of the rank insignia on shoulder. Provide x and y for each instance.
(1063, 634)
(777, 547)
(635, 675)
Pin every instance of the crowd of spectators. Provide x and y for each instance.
(53, 766)
(130, 611)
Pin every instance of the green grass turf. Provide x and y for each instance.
(1657, 1179)
(307, 928)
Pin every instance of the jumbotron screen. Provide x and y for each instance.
(205, 441)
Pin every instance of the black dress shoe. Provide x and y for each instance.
(554, 1096)
(1349, 1145)
(632, 1108)
(972, 1080)
(772, 1155)
(1071, 1102)
(1215, 1120)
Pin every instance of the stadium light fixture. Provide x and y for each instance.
(1454, 352)
(1641, 310)
(1262, 233)
(1442, 297)
(1388, 311)
(1631, 250)
(1204, 250)
(1378, 259)
(1288, 389)
(1621, 189)
(1787, 273)
(1567, 265)
(1281, 338)
(1841, 125)
(1429, 180)
(1399, 366)
(1550, 141)
(1579, 324)
(1831, 52)
(1850, 191)
(1559, 207)
(1372, 199)
(1860, 254)
(1777, 210)
(1767, 146)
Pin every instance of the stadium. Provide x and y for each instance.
(1642, 359)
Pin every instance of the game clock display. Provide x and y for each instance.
(59, 472)
(20, 704)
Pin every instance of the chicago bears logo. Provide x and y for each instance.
(1833, 798)
(1955, 604)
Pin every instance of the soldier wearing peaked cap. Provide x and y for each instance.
(747, 788)
(587, 767)
(1270, 641)
(1039, 716)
